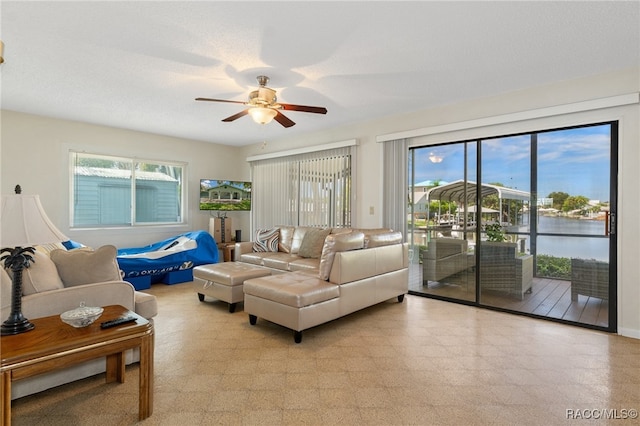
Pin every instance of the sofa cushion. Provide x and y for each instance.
(295, 289)
(279, 261)
(77, 267)
(354, 265)
(312, 243)
(256, 258)
(286, 238)
(334, 243)
(298, 235)
(306, 264)
(371, 231)
(41, 275)
(341, 230)
(266, 240)
(48, 248)
(382, 239)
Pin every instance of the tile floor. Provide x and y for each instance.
(422, 362)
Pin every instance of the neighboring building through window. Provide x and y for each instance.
(115, 191)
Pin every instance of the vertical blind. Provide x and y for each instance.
(394, 193)
(311, 189)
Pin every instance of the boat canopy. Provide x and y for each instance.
(463, 193)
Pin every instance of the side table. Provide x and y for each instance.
(228, 250)
(53, 344)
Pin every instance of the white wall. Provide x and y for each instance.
(34, 154)
(369, 160)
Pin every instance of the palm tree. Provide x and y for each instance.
(17, 260)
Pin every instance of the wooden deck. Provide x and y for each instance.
(550, 298)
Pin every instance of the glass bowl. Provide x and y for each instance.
(81, 316)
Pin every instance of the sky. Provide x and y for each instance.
(575, 161)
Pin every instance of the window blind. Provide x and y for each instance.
(310, 189)
(394, 194)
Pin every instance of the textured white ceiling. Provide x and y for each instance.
(140, 64)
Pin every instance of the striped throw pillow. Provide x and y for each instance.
(266, 240)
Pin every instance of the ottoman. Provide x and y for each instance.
(223, 281)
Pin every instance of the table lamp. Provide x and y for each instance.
(24, 223)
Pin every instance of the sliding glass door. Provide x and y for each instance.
(522, 223)
(440, 224)
(575, 240)
(504, 257)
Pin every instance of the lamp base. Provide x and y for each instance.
(10, 327)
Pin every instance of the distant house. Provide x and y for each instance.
(420, 201)
(104, 197)
(225, 192)
(420, 207)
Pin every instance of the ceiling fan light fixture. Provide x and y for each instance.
(263, 106)
(262, 115)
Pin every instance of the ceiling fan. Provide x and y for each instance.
(263, 106)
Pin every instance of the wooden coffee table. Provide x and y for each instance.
(53, 345)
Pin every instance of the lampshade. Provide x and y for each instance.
(25, 223)
(262, 115)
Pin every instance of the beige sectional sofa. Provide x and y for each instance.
(319, 275)
(59, 280)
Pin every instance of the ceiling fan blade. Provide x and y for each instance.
(236, 116)
(280, 118)
(220, 100)
(304, 108)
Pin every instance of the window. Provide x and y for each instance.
(312, 189)
(116, 191)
